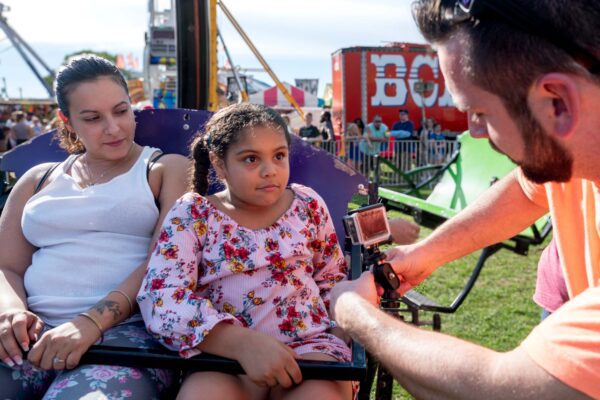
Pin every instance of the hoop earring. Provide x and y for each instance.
(73, 140)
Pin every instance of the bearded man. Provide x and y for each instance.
(527, 73)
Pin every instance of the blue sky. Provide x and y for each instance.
(295, 37)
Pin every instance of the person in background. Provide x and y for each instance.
(423, 157)
(36, 125)
(287, 121)
(550, 287)
(4, 134)
(354, 133)
(326, 126)
(374, 135)
(438, 143)
(309, 131)
(403, 129)
(20, 130)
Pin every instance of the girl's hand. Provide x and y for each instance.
(18, 329)
(268, 362)
(63, 346)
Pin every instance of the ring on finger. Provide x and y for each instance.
(57, 360)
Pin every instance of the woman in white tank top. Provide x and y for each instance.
(78, 245)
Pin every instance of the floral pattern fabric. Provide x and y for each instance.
(207, 269)
(92, 381)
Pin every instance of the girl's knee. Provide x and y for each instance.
(317, 389)
(211, 385)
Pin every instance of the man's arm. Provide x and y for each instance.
(500, 213)
(432, 365)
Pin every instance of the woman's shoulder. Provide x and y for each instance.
(35, 173)
(168, 162)
(26, 185)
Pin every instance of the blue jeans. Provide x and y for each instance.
(545, 314)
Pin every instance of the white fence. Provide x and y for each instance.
(404, 154)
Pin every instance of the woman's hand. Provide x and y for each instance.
(268, 362)
(18, 329)
(63, 346)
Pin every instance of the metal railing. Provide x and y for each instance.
(403, 154)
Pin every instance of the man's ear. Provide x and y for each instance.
(217, 164)
(555, 103)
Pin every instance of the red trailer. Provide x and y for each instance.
(369, 81)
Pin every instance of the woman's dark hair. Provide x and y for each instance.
(84, 68)
(361, 125)
(224, 129)
(325, 116)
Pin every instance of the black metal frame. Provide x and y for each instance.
(163, 358)
(193, 53)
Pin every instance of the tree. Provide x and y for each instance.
(109, 56)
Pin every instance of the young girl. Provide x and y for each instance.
(246, 273)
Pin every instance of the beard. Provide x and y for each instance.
(545, 159)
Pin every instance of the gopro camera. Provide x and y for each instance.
(368, 226)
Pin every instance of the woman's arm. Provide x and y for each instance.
(18, 327)
(167, 181)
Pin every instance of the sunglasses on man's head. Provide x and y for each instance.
(516, 14)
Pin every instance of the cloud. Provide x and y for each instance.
(110, 23)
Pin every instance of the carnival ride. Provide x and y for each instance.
(307, 164)
(25, 51)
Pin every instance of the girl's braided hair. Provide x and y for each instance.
(224, 129)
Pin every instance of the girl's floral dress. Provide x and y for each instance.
(207, 269)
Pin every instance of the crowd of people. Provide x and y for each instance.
(18, 126)
(358, 143)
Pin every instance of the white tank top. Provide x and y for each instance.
(89, 239)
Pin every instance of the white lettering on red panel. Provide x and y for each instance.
(385, 85)
(393, 91)
(419, 62)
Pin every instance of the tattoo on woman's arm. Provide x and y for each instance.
(108, 305)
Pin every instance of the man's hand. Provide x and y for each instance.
(364, 286)
(403, 231)
(408, 269)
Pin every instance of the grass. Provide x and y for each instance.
(499, 311)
